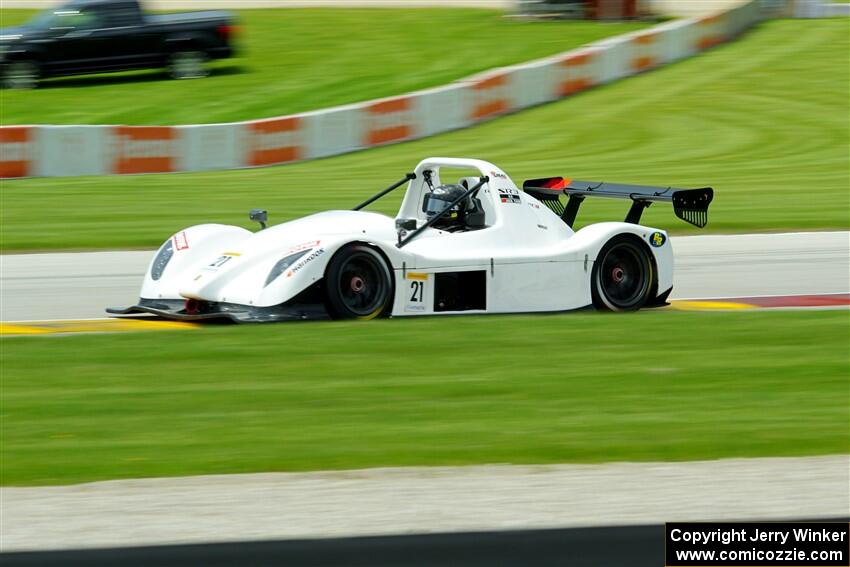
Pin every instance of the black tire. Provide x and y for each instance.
(622, 275)
(358, 284)
(21, 74)
(188, 64)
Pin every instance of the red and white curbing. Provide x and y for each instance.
(811, 301)
(74, 326)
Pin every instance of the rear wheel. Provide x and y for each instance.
(188, 65)
(621, 279)
(20, 75)
(358, 284)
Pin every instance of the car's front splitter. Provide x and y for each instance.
(175, 309)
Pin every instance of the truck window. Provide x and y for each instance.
(66, 20)
(120, 14)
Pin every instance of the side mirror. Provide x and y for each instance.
(259, 215)
(405, 224)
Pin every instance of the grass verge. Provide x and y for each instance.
(296, 60)
(434, 391)
(731, 118)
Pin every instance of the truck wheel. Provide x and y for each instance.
(621, 278)
(20, 75)
(358, 284)
(188, 65)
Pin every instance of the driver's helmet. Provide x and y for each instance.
(439, 199)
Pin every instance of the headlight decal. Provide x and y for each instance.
(282, 265)
(162, 258)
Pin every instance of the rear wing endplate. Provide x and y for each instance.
(690, 205)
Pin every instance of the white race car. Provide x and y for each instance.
(459, 244)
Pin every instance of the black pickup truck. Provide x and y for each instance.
(100, 36)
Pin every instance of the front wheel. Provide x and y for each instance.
(20, 75)
(622, 275)
(358, 284)
(188, 65)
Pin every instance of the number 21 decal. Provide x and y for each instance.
(417, 289)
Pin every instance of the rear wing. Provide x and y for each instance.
(690, 205)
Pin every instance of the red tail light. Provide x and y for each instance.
(227, 32)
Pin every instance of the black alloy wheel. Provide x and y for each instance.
(622, 276)
(358, 284)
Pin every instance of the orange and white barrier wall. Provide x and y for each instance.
(41, 151)
(17, 151)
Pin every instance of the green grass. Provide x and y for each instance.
(298, 60)
(466, 390)
(763, 120)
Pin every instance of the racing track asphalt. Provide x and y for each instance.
(35, 287)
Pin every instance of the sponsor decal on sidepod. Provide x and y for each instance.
(304, 262)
